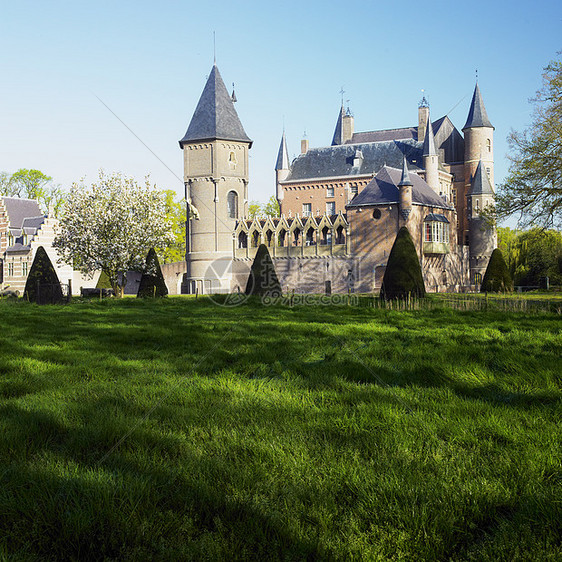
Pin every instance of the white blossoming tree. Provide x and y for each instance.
(111, 225)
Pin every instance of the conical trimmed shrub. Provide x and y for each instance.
(103, 281)
(403, 276)
(263, 277)
(497, 278)
(43, 285)
(152, 282)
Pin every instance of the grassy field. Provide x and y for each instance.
(179, 429)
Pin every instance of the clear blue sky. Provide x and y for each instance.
(148, 62)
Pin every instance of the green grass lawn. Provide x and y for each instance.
(176, 429)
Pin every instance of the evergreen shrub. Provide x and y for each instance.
(43, 285)
(263, 277)
(152, 282)
(497, 278)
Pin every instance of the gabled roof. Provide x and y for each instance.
(215, 116)
(383, 190)
(480, 184)
(283, 155)
(20, 209)
(477, 116)
(337, 161)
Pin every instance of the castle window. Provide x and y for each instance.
(268, 237)
(232, 160)
(281, 238)
(489, 145)
(310, 237)
(306, 209)
(331, 208)
(11, 269)
(340, 235)
(326, 239)
(436, 234)
(24, 269)
(242, 240)
(454, 191)
(377, 214)
(232, 204)
(296, 236)
(354, 190)
(330, 192)
(255, 239)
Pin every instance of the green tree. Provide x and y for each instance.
(33, 184)
(403, 275)
(176, 214)
(533, 187)
(497, 278)
(539, 255)
(254, 209)
(509, 246)
(271, 208)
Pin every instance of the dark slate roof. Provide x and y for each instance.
(337, 139)
(480, 184)
(215, 116)
(19, 209)
(283, 155)
(383, 190)
(434, 217)
(429, 142)
(337, 161)
(32, 223)
(17, 247)
(477, 116)
(386, 135)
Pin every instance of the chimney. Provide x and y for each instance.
(304, 146)
(347, 127)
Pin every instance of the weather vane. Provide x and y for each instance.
(342, 92)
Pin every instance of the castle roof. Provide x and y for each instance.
(429, 141)
(480, 184)
(215, 116)
(385, 135)
(337, 161)
(20, 209)
(383, 190)
(338, 139)
(405, 179)
(283, 155)
(477, 116)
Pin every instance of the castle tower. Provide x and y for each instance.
(215, 155)
(479, 184)
(344, 127)
(423, 118)
(405, 193)
(281, 169)
(482, 234)
(430, 158)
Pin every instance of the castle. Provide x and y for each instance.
(341, 205)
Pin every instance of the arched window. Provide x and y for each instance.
(242, 240)
(489, 145)
(296, 236)
(232, 204)
(268, 237)
(255, 239)
(340, 235)
(310, 241)
(281, 238)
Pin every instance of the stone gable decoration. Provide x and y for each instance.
(403, 276)
(152, 282)
(43, 285)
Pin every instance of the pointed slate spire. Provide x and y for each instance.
(429, 141)
(283, 155)
(477, 116)
(215, 116)
(480, 183)
(338, 133)
(405, 179)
